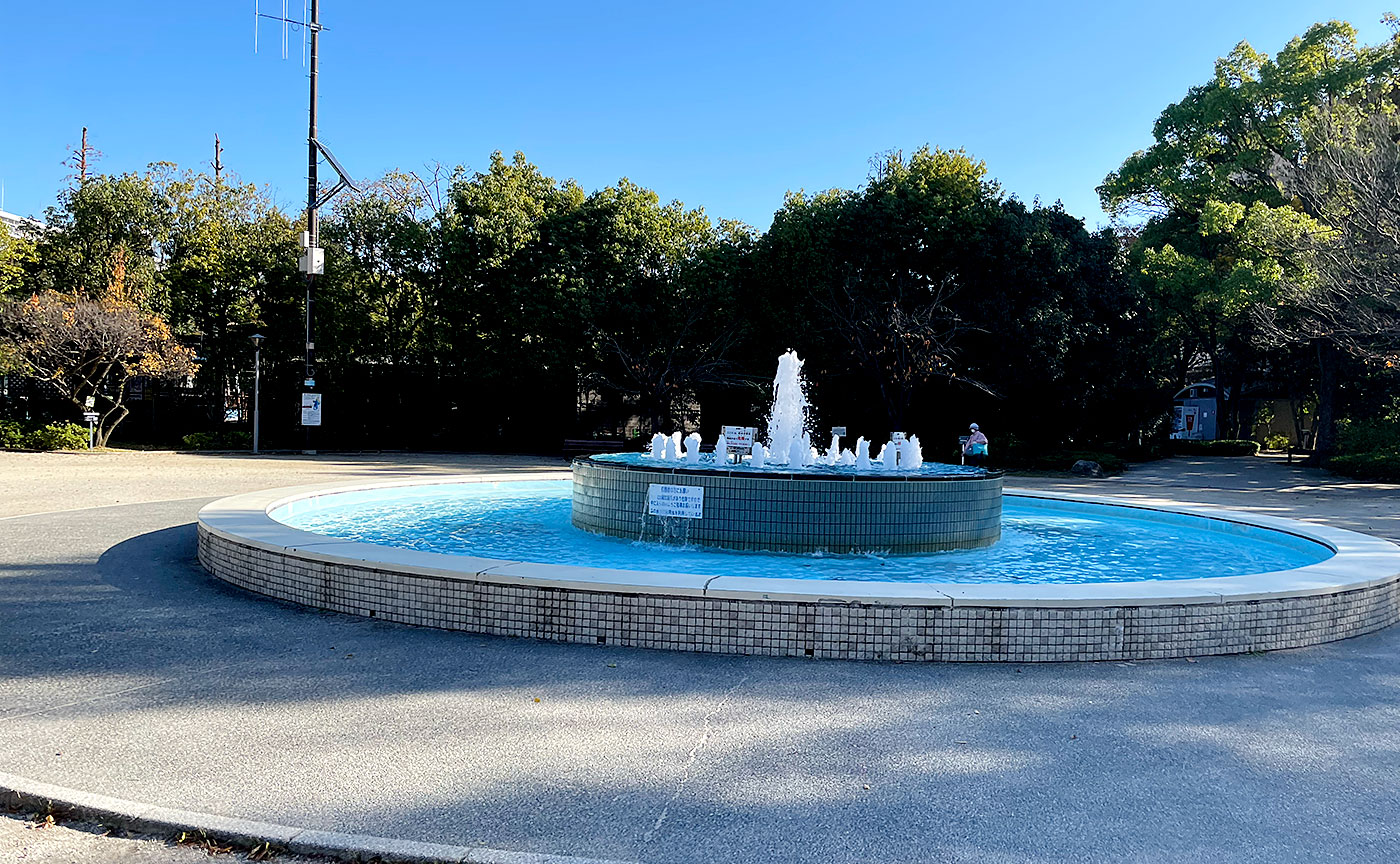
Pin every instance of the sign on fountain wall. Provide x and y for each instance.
(682, 502)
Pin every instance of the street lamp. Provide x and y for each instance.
(257, 340)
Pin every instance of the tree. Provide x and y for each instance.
(102, 239)
(878, 268)
(1220, 239)
(512, 318)
(656, 297)
(228, 264)
(16, 256)
(1350, 304)
(90, 348)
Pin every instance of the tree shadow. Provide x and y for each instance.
(160, 683)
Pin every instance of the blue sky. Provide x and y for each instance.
(725, 105)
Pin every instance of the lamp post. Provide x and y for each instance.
(257, 340)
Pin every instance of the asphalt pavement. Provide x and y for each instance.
(125, 670)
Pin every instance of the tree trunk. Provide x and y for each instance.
(1325, 427)
(104, 430)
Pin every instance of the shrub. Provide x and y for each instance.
(1277, 442)
(1223, 447)
(1377, 465)
(58, 436)
(227, 439)
(1368, 436)
(11, 435)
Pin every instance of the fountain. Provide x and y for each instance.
(1074, 577)
(785, 496)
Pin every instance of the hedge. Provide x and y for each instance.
(1223, 447)
(1378, 465)
(231, 439)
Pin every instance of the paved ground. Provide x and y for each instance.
(124, 670)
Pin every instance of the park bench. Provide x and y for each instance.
(584, 446)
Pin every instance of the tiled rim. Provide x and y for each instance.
(1360, 561)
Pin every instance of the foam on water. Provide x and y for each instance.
(1042, 541)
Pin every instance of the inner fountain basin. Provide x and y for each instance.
(818, 508)
(725, 609)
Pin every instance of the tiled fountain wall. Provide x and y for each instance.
(898, 512)
(697, 621)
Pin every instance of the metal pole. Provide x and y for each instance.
(257, 384)
(311, 194)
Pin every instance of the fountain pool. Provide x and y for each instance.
(782, 548)
(1073, 578)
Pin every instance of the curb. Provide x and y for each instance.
(23, 793)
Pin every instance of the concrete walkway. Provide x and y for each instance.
(126, 671)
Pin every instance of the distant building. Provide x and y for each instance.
(1194, 414)
(13, 223)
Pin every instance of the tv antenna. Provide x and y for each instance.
(313, 261)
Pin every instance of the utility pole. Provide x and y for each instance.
(313, 261)
(315, 258)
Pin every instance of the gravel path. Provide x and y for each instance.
(125, 670)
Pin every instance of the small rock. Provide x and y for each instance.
(1086, 468)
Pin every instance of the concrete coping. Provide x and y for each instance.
(22, 793)
(1359, 560)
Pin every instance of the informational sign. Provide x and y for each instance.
(682, 502)
(90, 417)
(311, 409)
(739, 439)
(839, 431)
(1192, 413)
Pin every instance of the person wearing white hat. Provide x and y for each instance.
(976, 447)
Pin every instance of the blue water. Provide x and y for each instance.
(1042, 542)
(707, 463)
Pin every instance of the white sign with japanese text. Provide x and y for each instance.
(682, 502)
(739, 439)
(311, 409)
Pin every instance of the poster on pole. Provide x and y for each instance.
(311, 409)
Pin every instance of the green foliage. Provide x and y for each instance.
(102, 241)
(1368, 450)
(12, 434)
(58, 436)
(16, 254)
(229, 270)
(52, 436)
(225, 439)
(1382, 465)
(1372, 436)
(1277, 442)
(1228, 251)
(1222, 447)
